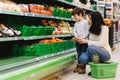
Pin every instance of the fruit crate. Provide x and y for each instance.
(47, 48)
(28, 50)
(39, 49)
(103, 70)
(59, 45)
(48, 30)
(16, 50)
(38, 30)
(27, 31)
(55, 48)
(51, 47)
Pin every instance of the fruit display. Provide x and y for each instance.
(36, 9)
(9, 5)
(51, 40)
(108, 22)
(85, 3)
(8, 31)
(34, 30)
(61, 27)
(43, 47)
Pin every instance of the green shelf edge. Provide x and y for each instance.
(25, 72)
(3, 39)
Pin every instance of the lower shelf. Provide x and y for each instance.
(22, 60)
(41, 69)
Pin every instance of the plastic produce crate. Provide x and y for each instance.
(27, 31)
(48, 30)
(16, 50)
(51, 47)
(39, 49)
(46, 48)
(103, 70)
(39, 30)
(28, 50)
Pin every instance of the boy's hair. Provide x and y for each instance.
(78, 11)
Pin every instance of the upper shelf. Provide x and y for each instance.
(57, 2)
(32, 15)
(87, 9)
(2, 39)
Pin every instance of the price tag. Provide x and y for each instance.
(21, 13)
(52, 54)
(26, 14)
(52, 16)
(33, 14)
(57, 17)
(31, 37)
(16, 38)
(45, 57)
(37, 59)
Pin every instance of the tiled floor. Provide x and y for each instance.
(75, 76)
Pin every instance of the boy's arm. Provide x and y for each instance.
(86, 32)
(74, 31)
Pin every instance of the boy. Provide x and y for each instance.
(81, 30)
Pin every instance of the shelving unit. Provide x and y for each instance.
(105, 8)
(109, 9)
(100, 6)
(34, 67)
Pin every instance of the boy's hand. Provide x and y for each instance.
(74, 39)
(82, 41)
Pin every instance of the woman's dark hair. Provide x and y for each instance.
(97, 22)
(78, 11)
(83, 1)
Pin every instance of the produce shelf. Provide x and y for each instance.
(46, 36)
(8, 12)
(21, 60)
(3, 39)
(41, 69)
(87, 9)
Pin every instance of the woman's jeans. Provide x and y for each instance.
(86, 57)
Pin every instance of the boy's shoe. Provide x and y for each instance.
(82, 69)
(77, 68)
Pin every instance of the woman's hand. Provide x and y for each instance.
(82, 41)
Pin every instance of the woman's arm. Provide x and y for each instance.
(103, 40)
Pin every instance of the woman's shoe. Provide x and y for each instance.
(82, 69)
(89, 74)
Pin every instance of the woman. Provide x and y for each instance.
(98, 43)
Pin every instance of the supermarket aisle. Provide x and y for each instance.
(75, 76)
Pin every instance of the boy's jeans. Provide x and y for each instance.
(85, 57)
(81, 48)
